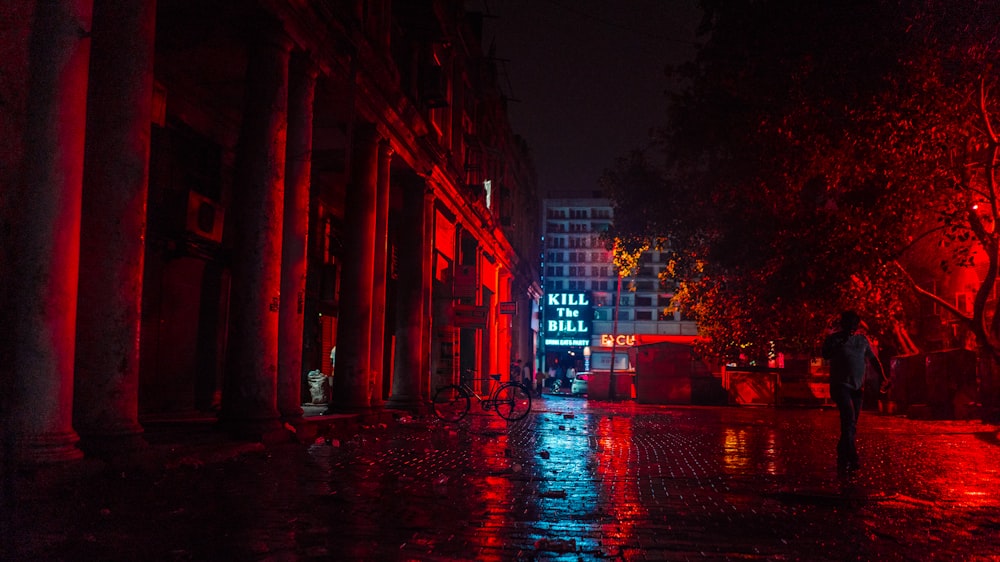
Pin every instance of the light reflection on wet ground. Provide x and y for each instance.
(572, 481)
(676, 483)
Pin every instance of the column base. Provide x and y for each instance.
(335, 408)
(269, 430)
(48, 448)
(408, 403)
(112, 444)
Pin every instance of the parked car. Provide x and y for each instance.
(579, 383)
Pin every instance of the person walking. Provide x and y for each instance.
(527, 375)
(847, 351)
(539, 381)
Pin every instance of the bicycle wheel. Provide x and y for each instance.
(451, 403)
(512, 401)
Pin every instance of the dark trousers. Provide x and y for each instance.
(849, 403)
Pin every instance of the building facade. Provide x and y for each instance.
(577, 267)
(203, 199)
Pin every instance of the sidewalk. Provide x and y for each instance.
(575, 480)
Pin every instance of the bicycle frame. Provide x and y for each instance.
(510, 400)
(487, 400)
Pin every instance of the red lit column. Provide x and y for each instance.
(352, 380)
(115, 186)
(301, 92)
(410, 311)
(379, 281)
(427, 292)
(249, 396)
(46, 234)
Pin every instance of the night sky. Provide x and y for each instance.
(587, 77)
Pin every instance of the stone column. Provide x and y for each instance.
(46, 235)
(302, 88)
(352, 380)
(379, 281)
(427, 293)
(409, 302)
(115, 187)
(249, 396)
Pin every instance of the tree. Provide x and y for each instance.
(814, 155)
(748, 152)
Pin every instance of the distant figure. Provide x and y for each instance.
(515, 371)
(527, 376)
(847, 350)
(539, 382)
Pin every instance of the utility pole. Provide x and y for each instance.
(614, 339)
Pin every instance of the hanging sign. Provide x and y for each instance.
(470, 316)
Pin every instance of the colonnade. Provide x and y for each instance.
(79, 231)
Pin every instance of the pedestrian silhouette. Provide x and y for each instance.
(847, 351)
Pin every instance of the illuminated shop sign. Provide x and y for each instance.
(621, 339)
(568, 318)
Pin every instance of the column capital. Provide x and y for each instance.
(306, 63)
(385, 148)
(266, 30)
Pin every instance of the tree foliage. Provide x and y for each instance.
(811, 148)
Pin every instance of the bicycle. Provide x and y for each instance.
(510, 400)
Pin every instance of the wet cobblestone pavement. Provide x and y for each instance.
(575, 480)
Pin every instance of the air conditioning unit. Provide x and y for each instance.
(205, 217)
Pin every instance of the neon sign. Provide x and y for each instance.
(621, 339)
(568, 318)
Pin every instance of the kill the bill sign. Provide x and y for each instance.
(568, 318)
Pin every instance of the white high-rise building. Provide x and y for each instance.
(580, 283)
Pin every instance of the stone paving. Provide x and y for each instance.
(575, 480)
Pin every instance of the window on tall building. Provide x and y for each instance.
(643, 301)
(643, 315)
